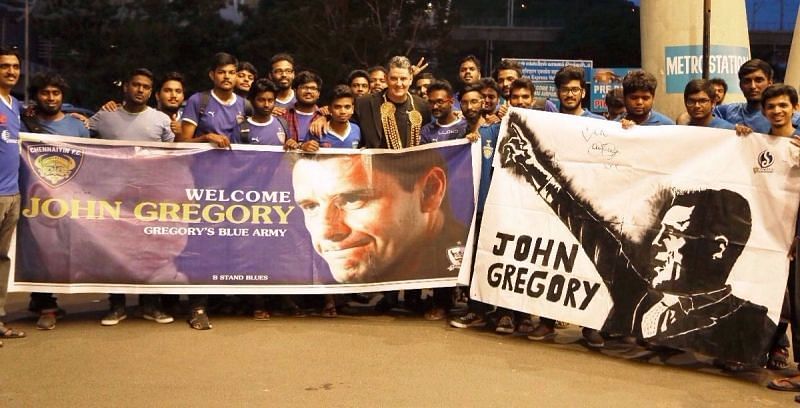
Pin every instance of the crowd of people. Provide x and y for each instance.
(392, 107)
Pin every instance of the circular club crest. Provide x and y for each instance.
(765, 159)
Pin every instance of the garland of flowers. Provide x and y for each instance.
(390, 124)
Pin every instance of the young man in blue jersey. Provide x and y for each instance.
(472, 107)
(262, 128)
(358, 80)
(469, 72)
(48, 89)
(446, 124)
(212, 116)
(9, 172)
(491, 92)
(570, 84)
(341, 132)
(282, 74)
(755, 76)
(639, 93)
(377, 79)
(699, 96)
(571, 89)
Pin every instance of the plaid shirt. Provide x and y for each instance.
(293, 125)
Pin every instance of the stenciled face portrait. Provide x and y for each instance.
(362, 221)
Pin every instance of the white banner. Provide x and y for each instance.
(674, 234)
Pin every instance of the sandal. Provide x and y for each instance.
(199, 320)
(778, 358)
(9, 333)
(329, 310)
(261, 315)
(785, 384)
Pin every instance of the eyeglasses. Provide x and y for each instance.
(573, 91)
(308, 88)
(282, 71)
(693, 102)
(439, 102)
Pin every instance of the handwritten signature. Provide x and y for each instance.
(607, 150)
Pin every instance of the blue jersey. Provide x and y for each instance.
(9, 146)
(435, 132)
(66, 126)
(271, 133)
(721, 124)
(218, 117)
(489, 134)
(288, 103)
(657, 119)
(349, 140)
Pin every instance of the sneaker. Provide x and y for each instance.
(47, 321)
(157, 316)
(542, 332)
(436, 313)
(562, 325)
(505, 325)
(199, 320)
(470, 319)
(525, 326)
(593, 337)
(114, 317)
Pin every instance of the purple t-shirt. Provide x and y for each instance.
(434, 132)
(270, 133)
(286, 104)
(218, 117)
(9, 146)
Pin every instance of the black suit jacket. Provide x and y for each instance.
(368, 116)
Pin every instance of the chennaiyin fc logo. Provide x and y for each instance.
(54, 165)
(455, 255)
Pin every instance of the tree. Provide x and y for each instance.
(97, 42)
(335, 36)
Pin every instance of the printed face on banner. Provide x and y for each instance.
(668, 245)
(362, 222)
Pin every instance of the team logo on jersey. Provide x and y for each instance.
(488, 149)
(455, 255)
(765, 162)
(54, 165)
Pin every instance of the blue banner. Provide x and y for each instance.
(104, 216)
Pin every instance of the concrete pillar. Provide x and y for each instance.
(672, 47)
(793, 68)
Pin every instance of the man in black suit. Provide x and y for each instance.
(392, 118)
(672, 291)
